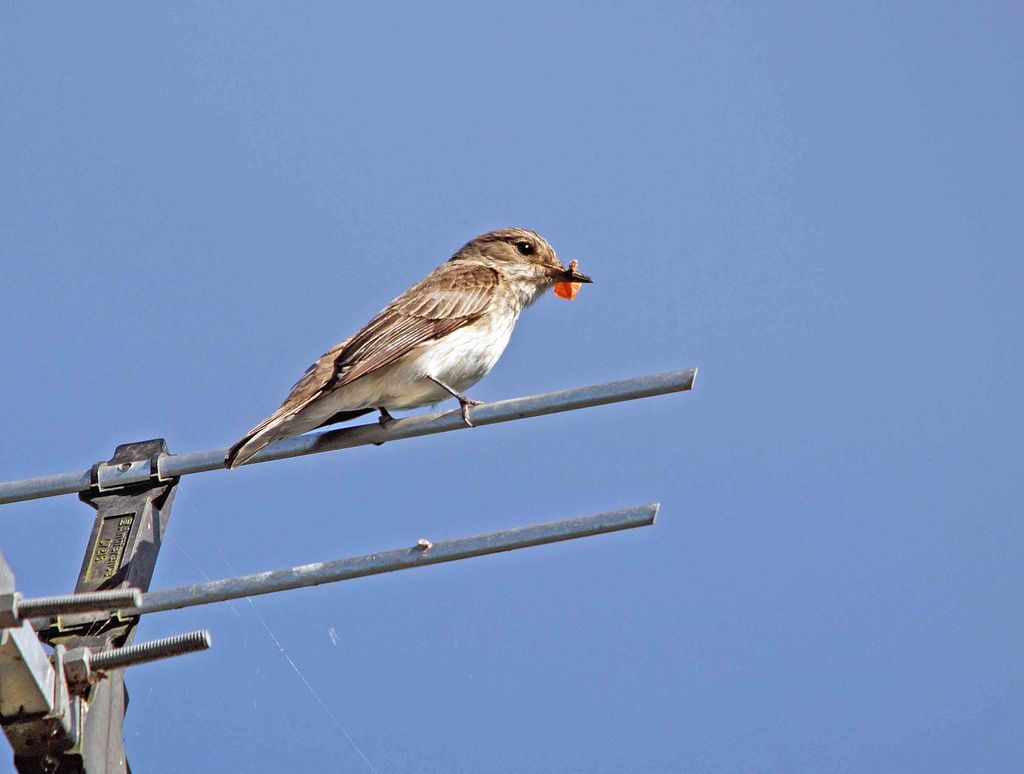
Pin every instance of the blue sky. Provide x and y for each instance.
(817, 204)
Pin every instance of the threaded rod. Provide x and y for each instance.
(87, 602)
(150, 651)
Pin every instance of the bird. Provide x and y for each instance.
(434, 341)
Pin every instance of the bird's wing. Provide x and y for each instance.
(312, 383)
(453, 295)
(450, 298)
(305, 391)
(444, 301)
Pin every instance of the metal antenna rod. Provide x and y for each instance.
(420, 555)
(169, 466)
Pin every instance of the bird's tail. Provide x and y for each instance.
(283, 423)
(266, 432)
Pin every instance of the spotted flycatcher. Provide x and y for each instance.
(436, 340)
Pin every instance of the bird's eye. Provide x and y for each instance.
(524, 248)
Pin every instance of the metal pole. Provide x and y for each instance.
(173, 465)
(420, 555)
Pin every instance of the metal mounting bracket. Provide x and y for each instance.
(132, 510)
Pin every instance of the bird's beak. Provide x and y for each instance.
(568, 281)
(570, 275)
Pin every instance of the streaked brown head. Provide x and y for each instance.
(519, 246)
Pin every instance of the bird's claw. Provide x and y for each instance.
(465, 403)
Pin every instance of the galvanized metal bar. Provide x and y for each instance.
(45, 486)
(173, 465)
(420, 555)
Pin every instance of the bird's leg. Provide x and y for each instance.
(385, 417)
(464, 401)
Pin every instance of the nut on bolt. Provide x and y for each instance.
(78, 671)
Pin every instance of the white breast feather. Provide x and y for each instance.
(460, 359)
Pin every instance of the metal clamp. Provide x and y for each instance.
(114, 476)
(49, 717)
(132, 463)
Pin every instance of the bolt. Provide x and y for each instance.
(86, 602)
(150, 651)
